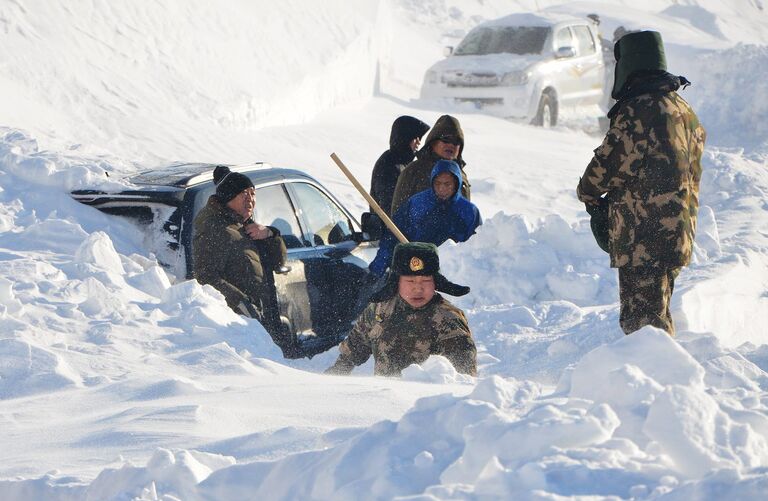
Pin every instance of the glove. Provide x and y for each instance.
(370, 283)
(599, 223)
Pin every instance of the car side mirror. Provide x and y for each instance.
(448, 51)
(565, 52)
(372, 225)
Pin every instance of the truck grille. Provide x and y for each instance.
(481, 101)
(472, 80)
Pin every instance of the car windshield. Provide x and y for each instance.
(503, 39)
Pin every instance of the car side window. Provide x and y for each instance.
(201, 198)
(585, 45)
(274, 209)
(326, 222)
(563, 38)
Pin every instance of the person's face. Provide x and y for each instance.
(445, 185)
(416, 290)
(244, 203)
(446, 148)
(415, 143)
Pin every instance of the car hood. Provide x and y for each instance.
(491, 63)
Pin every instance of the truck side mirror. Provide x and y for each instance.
(447, 51)
(565, 52)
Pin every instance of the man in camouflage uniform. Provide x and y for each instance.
(649, 167)
(407, 321)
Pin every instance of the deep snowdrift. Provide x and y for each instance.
(118, 381)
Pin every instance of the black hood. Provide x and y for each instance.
(446, 125)
(404, 130)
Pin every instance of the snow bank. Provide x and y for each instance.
(105, 357)
(183, 67)
(511, 260)
(436, 369)
(733, 303)
(26, 369)
(168, 475)
(643, 418)
(728, 94)
(724, 290)
(29, 165)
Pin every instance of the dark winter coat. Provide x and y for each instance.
(225, 257)
(398, 335)
(392, 162)
(415, 177)
(425, 218)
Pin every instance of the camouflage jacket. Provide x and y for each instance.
(649, 164)
(398, 335)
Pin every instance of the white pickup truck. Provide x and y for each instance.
(522, 66)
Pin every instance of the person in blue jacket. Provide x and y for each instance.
(433, 215)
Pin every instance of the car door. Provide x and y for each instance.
(564, 68)
(274, 208)
(337, 270)
(588, 68)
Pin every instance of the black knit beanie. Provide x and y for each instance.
(229, 184)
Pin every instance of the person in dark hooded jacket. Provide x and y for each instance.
(433, 215)
(404, 140)
(444, 142)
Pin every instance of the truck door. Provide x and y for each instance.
(564, 71)
(589, 66)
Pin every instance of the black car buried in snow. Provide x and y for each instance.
(318, 292)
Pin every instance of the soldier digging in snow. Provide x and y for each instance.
(407, 321)
(649, 168)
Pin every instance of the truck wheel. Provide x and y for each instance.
(546, 116)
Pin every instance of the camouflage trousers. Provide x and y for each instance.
(645, 293)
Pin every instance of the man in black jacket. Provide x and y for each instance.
(237, 256)
(404, 140)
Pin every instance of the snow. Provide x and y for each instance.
(120, 380)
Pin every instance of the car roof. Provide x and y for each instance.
(528, 19)
(186, 175)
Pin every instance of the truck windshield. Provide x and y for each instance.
(503, 39)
